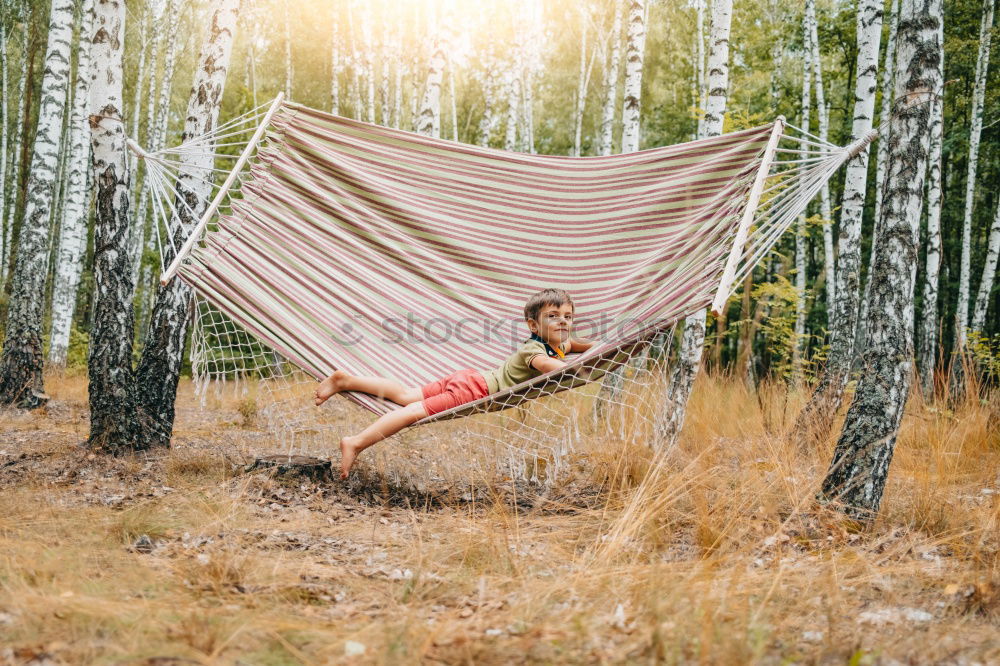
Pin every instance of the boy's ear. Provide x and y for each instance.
(532, 325)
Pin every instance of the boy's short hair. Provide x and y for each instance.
(556, 297)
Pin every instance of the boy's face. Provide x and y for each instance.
(553, 323)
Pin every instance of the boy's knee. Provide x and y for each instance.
(415, 410)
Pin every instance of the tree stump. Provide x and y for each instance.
(316, 469)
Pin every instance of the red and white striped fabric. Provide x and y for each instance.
(379, 251)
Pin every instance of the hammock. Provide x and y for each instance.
(346, 245)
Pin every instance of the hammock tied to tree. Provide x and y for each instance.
(341, 244)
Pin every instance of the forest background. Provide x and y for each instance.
(528, 76)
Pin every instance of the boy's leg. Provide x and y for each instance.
(377, 386)
(386, 426)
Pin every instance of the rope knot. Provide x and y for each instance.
(861, 144)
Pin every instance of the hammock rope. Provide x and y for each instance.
(328, 230)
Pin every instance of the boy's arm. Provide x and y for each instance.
(579, 345)
(545, 364)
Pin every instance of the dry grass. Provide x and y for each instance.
(712, 553)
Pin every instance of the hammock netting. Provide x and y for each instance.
(347, 245)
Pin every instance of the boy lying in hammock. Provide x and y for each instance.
(549, 315)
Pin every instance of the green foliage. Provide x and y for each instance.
(76, 353)
(985, 351)
(779, 297)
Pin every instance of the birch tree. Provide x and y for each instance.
(73, 227)
(693, 342)
(824, 129)
(582, 83)
(699, 66)
(636, 46)
(881, 155)
(976, 128)
(21, 364)
(429, 119)
(286, 24)
(142, 72)
(367, 67)
(817, 417)
(157, 17)
(16, 165)
(611, 82)
(927, 356)
(989, 273)
(857, 475)
(510, 134)
(159, 367)
(808, 18)
(336, 68)
(4, 94)
(157, 122)
(888, 77)
(401, 69)
(384, 92)
(488, 81)
(115, 425)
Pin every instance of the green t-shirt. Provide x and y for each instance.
(517, 368)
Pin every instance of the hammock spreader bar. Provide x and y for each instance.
(213, 207)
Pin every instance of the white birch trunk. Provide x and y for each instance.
(860, 466)
(671, 419)
(487, 120)
(150, 96)
(4, 94)
(59, 196)
(801, 231)
(139, 184)
(335, 68)
(817, 417)
(581, 91)
(989, 273)
(454, 101)
(114, 418)
(429, 120)
(21, 363)
(384, 91)
(142, 71)
(288, 50)
(160, 127)
(250, 64)
(881, 155)
(510, 136)
(156, 133)
(367, 66)
(527, 94)
(885, 106)
(634, 54)
(355, 82)
(397, 86)
(611, 83)
(16, 166)
(73, 228)
(978, 95)
(929, 328)
(829, 261)
(700, 62)
(159, 367)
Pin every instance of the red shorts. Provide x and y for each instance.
(454, 390)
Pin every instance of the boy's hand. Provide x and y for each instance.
(577, 346)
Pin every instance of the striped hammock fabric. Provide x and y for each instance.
(382, 252)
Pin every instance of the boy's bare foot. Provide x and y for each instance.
(348, 452)
(330, 386)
